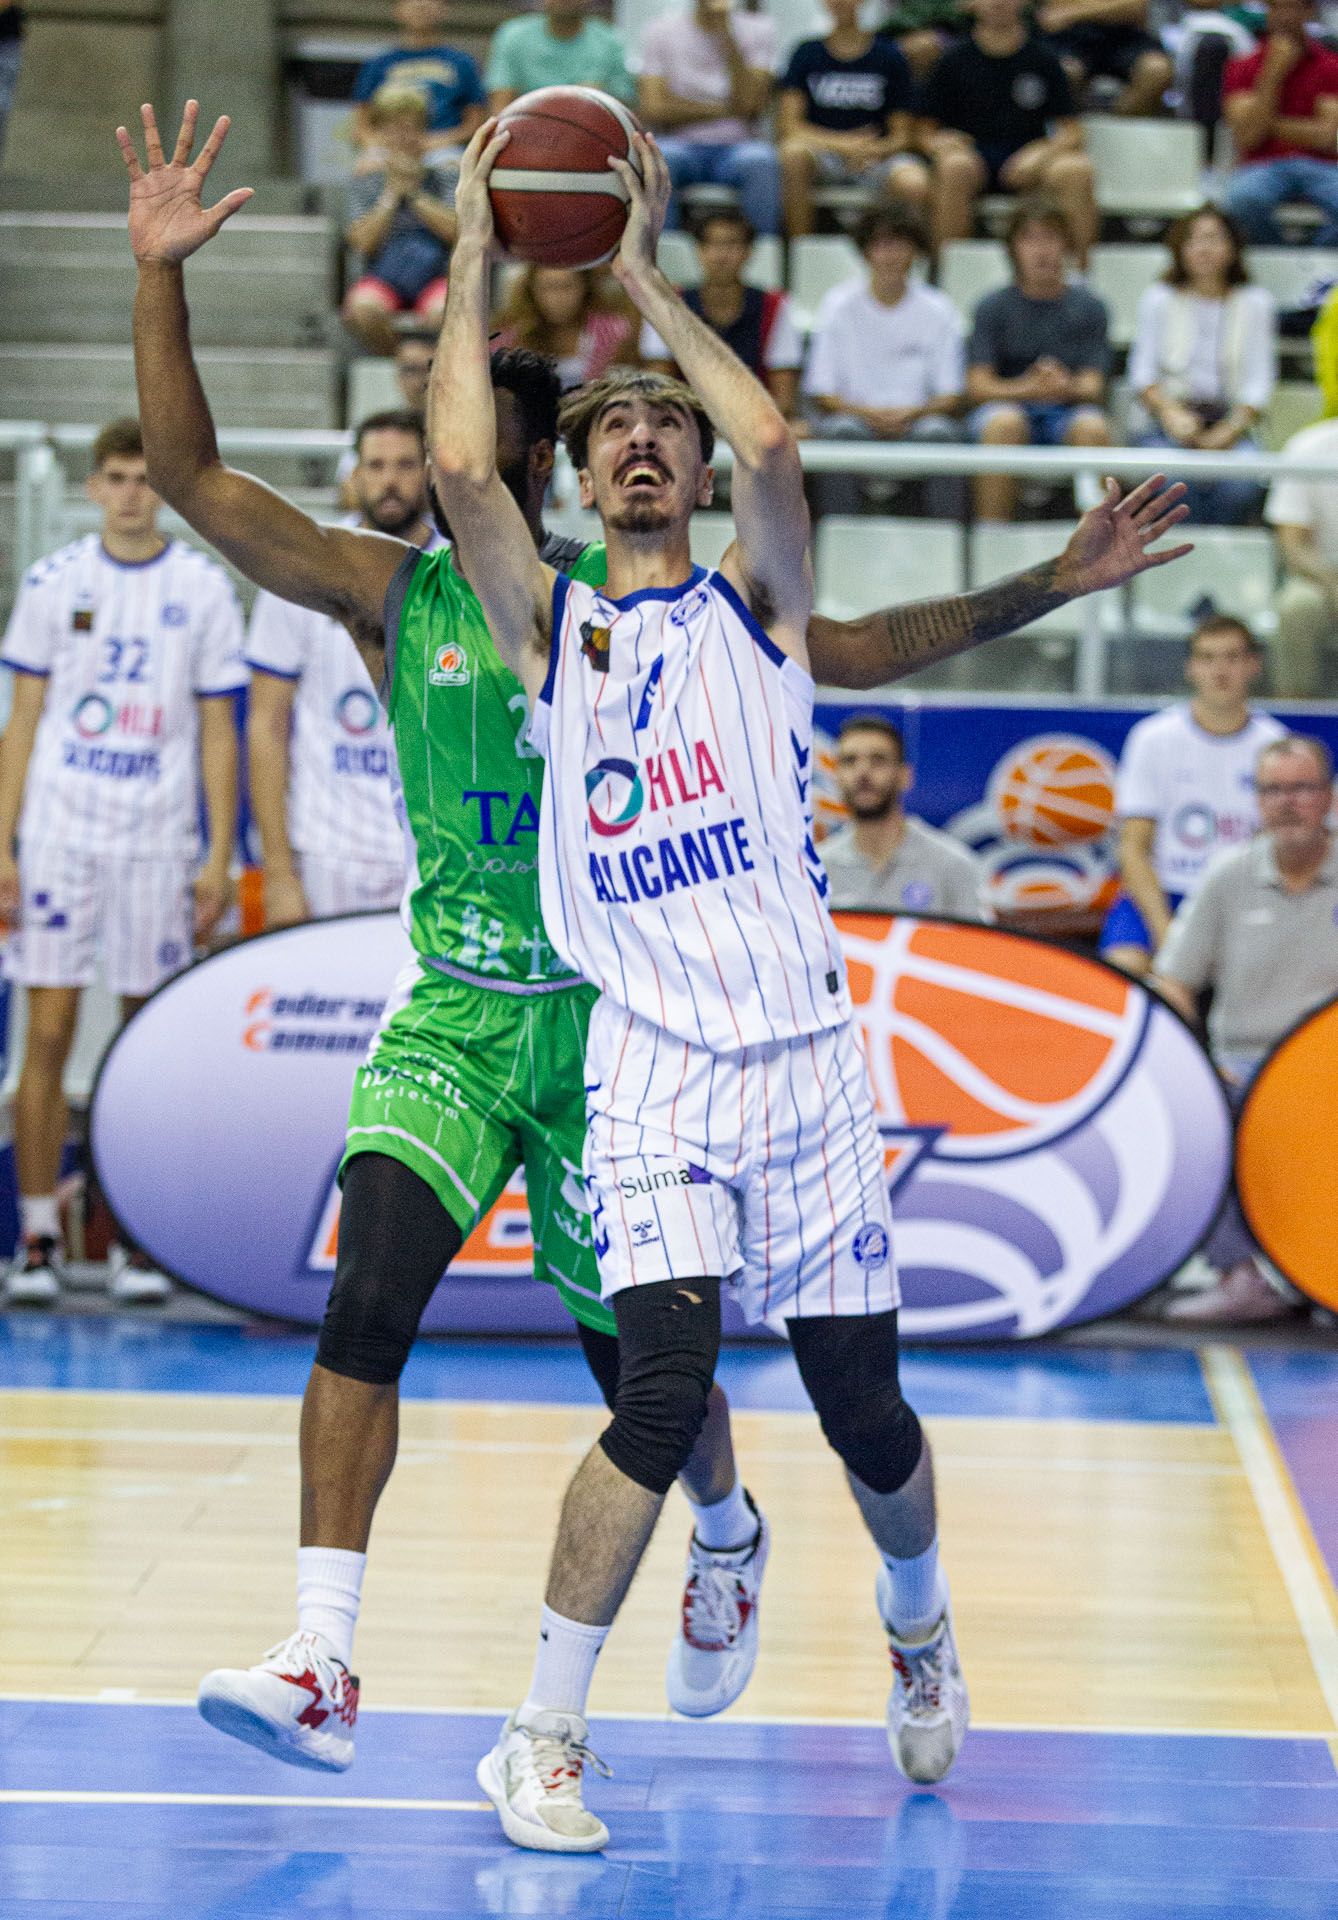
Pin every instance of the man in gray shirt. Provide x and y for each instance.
(1262, 932)
(886, 860)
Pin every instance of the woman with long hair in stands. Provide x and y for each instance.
(575, 316)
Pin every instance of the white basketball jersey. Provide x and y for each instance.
(677, 863)
(1197, 786)
(125, 650)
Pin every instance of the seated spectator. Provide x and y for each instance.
(1204, 358)
(885, 860)
(561, 47)
(1201, 42)
(705, 82)
(923, 28)
(1037, 360)
(886, 362)
(1262, 932)
(414, 348)
(571, 315)
(1304, 518)
(1109, 38)
(447, 78)
(999, 117)
(1281, 104)
(755, 323)
(11, 57)
(403, 226)
(844, 119)
(1185, 789)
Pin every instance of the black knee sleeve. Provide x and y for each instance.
(668, 1341)
(395, 1242)
(849, 1365)
(601, 1356)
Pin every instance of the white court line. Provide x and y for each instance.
(1303, 1572)
(57, 1797)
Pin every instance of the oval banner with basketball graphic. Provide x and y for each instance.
(1056, 1140)
(1289, 1116)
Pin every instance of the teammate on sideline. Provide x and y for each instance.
(402, 1215)
(126, 650)
(731, 1128)
(319, 748)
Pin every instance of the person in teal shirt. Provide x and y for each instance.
(560, 47)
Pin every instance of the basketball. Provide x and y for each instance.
(555, 200)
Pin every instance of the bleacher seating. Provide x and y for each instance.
(1234, 567)
(247, 387)
(864, 561)
(817, 264)
(1145, 168)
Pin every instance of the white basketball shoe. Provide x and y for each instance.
(35, 1275)
(928, 1711)
(712, 1658)
(533, 1777)
(300, 1704)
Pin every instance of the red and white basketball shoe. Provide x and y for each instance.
(712, 1658)
(928, 1711)
(300, 1704)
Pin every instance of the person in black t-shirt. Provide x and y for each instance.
(1109, 37)
(844, 118)
(11, 47)
(999, 115)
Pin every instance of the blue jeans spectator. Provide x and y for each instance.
(750, 167)
(1215, 503)
(1257, 189)
(11, 53)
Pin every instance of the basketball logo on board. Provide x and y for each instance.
(1283, 1175)
(1045, 830)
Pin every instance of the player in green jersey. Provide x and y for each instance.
(480, 1056)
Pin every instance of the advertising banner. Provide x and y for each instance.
(1284, 1157)
(1056, 1140)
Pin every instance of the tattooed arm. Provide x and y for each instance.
(1109, 546)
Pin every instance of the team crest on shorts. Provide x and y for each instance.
(870, 1247)
(450, 666)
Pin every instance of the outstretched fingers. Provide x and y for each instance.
(1144, 493)
(1162, 559)
(186, 136)
(230, 203)
(153, 146)
(128, 154)
(209, 152)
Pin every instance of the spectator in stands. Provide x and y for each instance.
(561, 47)
(11, 53)
(1038, 356)
(844, 118)
(403, 226)
(998, 116)
(923, 28)
(1262, 933)
(705, 82)
(1281, 104)
(414, 348)
(1109, 38)
(574, 316)
(1204, 358)
(1304, 518)
(448, 79)
(884, 859)
(754, 322)
(125, 650)
(886, 362)
(1185, 789)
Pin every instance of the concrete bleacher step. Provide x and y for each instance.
(70, 277)
(106, 193)
(247, 387)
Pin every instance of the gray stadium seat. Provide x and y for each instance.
(1145, 167)
(1295, 404)
(1290, 273)
(863, 562)
(969, 269)
(372, 387)
(818, 263)
(247, 387)
(1235, 567)
(712, 535)
(1120, 276)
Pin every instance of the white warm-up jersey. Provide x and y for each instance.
(125, 650)
(677, 863)
(1197, 786)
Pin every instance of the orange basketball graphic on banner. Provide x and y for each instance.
(1283, 1142)
(1053, 790)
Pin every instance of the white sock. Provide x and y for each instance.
(726, 1523)
(564, 1664)
(39, 1216)
(329, 1591)
(919, 1594)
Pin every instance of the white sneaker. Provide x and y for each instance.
(300, 1704)
(35, 1274)
(132, 1283)
(712, 1658)
(928, 1711)
(533, 1778)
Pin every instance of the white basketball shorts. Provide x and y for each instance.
(763, 1168)
(134, 916)
(350, 886)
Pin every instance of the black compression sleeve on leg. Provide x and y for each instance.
(668, 1342)
(601, 1356)
(849, 1365)
(395, 1242)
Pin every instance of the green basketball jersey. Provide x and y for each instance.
(468, 782)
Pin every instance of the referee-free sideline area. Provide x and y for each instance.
(1142, 1542)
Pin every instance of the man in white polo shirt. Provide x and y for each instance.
(1262, 932)
(1304, 516)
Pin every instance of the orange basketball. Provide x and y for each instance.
(556, 202)
(1055, 789)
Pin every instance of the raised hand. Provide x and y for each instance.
(473, 208)
(646, 177)
(167, 220)
(1111, 542)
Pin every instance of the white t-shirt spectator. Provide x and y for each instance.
(689, 61)
(870, 355)
(1223, 352)
(1310, 503)
(1197, 786)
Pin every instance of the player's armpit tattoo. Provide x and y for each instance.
(928, 630)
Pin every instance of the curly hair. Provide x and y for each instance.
(582, 407)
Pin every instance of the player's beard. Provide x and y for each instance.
(640, 516)
(872, 809)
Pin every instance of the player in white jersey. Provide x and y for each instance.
(1185, 790)
(319, 746)
(126, 652)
